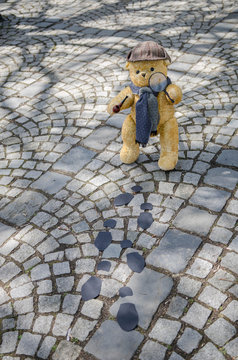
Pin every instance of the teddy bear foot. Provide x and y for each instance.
(168, 161)
(129, 155)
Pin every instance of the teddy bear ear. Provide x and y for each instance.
(167, 62)
(127, 65)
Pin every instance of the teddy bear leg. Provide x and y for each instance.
(169, 140)
(130, 150)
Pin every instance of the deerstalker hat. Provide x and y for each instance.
(148, 50)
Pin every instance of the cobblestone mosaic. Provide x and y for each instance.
(60, 173)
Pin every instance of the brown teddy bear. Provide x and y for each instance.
(151, 97)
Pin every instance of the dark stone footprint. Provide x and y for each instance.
(104, 265)
(91, 289)
(126, 244)
(125, 291)
(127, 316)
(146, 206)
(135, 261)
(110, 223)
(123, 199)
(136, 188)
(103, 240)
(145, 220)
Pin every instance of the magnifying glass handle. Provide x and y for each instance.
(169, 96)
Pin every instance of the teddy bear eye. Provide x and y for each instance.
(137, 71)
(152, 69)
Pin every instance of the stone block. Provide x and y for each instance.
(152, 351)
(149, 287)
(5, 231)
(210, 198)
(66, 350)
(111, 339)
(28, 344)
(224, 177)
(174, 251)
(189, 340)
(197, 315)
(165, 330)
(195, 220)
(74, 160)
(220, 331)
(51, 182)
(20, 210)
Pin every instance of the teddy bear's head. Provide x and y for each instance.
(145, 59)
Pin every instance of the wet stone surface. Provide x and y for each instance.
(62, 183)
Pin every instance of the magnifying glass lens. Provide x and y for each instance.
(158, 82)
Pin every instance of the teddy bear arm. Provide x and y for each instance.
(119, 98)
(174, 92)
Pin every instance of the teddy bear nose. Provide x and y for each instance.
(143, 74)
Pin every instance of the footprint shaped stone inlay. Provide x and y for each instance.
(125, 291)
(123, 199)
(127, 316)
(126, 244)
(145, 220)
(135, 261)
(91, 289)
(146, 206)
(104, 265)
(110, 223)
(136, 188)
(103, 240)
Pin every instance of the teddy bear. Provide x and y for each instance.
(152, 97)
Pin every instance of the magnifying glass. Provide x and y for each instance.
(158, 82)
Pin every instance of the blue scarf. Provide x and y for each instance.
(147, 114)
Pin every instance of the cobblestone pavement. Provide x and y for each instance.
(60, 63)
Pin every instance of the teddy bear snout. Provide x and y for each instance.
(143, 74)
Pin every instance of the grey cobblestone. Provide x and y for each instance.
(28, 344)
(152, 350)
(176, 306)
(220, 332)
(189, 340)
(108, 339)
(194, 219)
(197, 315)
(62, 324)
(40, 272)
(60, 171)
(222, 280)
(65, 284)
(232, 347)
(200, 268)
(82, 328)
(61, 268)
(231, 311)
(44, 287)
(46, 347)
(209, 352)
(24, 306)
(66, 348)
(25, 321)
(212, 297)
(71, 303)
(42, 324)
(49, 303)
(9, 342)
(165, 330)
(92, 308)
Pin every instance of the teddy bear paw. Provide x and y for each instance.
(129, 155)
(168, 161)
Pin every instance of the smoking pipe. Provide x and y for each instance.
(117, 108)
